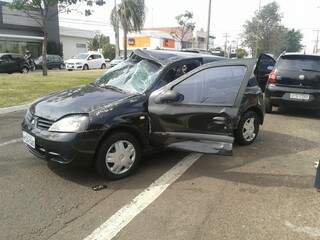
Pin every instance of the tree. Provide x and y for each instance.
(186, 25)
(109, 51)
(294, 39)
(98, 42)
(131, 16)
(264, 33)
(42, 11)
(241, 53)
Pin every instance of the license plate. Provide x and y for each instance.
(29, 139)
(298, 96)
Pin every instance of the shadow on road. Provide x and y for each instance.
(151, 167)
(298, 112)
(269, 145)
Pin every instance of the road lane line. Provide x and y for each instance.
(17, 140)
(126, 214)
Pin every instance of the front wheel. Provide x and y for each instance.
(85, 67)
(103, 66)
(118, 156)
(24, 70)
(248, 128)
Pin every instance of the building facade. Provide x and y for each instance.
(19, 32)
(152, 40)
(74, 41)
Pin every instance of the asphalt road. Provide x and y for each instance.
(264, 191)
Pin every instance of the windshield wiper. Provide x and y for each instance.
(310, 70)
(113, 88)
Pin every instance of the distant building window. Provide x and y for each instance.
(81, 45)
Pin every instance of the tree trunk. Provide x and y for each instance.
(117, 38)
(44, 48)
(125, 41)
(117, 42)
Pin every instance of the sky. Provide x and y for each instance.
(228, 16)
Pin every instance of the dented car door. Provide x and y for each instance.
(197, 112)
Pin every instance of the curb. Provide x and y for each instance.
(13, 109)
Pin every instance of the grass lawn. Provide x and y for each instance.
(16, 89)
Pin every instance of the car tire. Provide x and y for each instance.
(268, 106)
(126, 162)
(61, 66)
(24, 70)
(70, 70)
(103, 66)
(248, 128)
(85, 67)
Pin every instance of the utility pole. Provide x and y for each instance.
(316, 46)
(208, 26)
(259, 5)
(117, 48)
(226, 44)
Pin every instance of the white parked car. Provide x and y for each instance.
(86, 61)
(116, 61)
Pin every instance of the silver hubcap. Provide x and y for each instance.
(24, 70)
(120, 157)
(248, 130)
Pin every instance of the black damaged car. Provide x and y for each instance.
(154, 100)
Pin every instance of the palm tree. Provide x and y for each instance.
(131, 16)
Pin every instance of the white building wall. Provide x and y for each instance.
(73, 45)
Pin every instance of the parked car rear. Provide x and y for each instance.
(53, 61)
(12, 62)
(295, 81)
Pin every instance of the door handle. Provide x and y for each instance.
(219, 120)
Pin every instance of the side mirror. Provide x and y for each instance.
(107, 60)
(169, 96)
(270, 68)
(90, 58)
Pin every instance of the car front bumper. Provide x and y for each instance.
(73, 66)
(64, 148)
(280, 95)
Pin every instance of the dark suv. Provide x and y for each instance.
(11, 63)
(153, 100)
(295, 81)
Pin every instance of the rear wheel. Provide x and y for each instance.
(118, 156)
(248, 128)
(103, 66)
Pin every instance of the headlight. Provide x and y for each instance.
(75, 123)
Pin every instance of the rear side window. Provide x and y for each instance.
(298, 63)
(213, 86)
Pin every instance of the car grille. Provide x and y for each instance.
(43, 123)
(39, 122)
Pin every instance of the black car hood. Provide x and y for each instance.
(83, 99)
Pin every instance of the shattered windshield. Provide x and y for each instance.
(133, 75)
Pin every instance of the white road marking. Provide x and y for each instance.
(125, 215)
(312, 232)
(11, 142)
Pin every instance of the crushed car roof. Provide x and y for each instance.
(164, 57)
